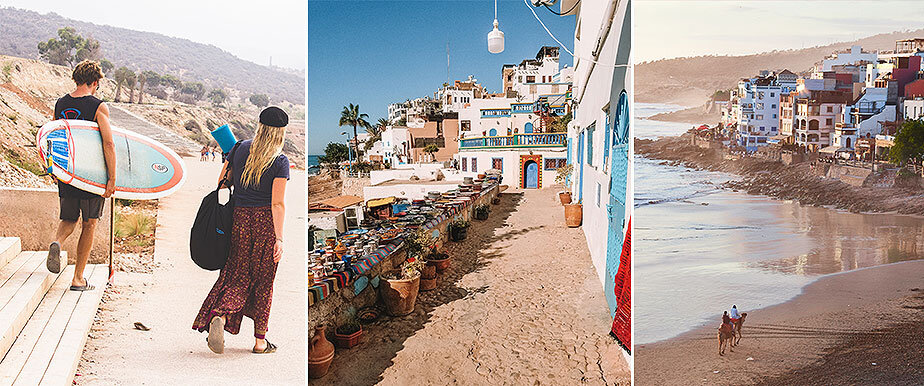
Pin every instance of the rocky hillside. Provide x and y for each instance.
(29, 89)
(690, 81)
(21, 30)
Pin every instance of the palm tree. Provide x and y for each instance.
(375, 132)
(350, 116)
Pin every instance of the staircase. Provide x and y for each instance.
(44, 326)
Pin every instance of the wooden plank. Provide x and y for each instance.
(35, 366)
(14, 316)
(34, 261)
(12, 364)
(64, 362)
(10, 247)
(7, 271)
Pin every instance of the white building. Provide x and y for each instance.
(539, 76)
(855, 55)
(913, 109)
(397, 112)
(599, 137)
(396, 145)
(755, 108)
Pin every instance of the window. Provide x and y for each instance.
(497, 163)
(466, 125)
(464, 164)
(828, 121)
(760, 106)
(590, 144)
(530, 79)
(774, 116)
(771, 95)
(598, 194)
(830, 109)
(773, 106)
(474, 165)
(554, 163)
(760, 116)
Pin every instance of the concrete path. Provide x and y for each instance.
(167, 301)
(128, 120)
(521, 305)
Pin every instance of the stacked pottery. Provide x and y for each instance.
(467, 180)
(320, 354)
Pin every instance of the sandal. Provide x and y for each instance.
(216, 338)
(85, 287)
(270, 348)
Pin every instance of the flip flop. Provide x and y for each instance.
(216, 338)
(85, 287)
(270, 348)
(53, 262)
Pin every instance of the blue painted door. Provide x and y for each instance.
(616, 208)
(532, 175)
(580, 161)
(528, 128)
(492, 133)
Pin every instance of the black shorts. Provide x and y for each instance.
(71, 208)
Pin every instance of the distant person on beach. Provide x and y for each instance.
(74, 203)
(734, 315)
(204, 154)
(725, 318)
(214, 151)
(258, 171)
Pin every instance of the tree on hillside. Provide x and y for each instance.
(909, 143)
(169, 80)
(350, 116)
(106, 66)
(218, 97)
(147, 77)
(259, 100)
(69, 48)
(430, 149)
(121, 77)
(194, 89)
(335, 153)
(131, 81)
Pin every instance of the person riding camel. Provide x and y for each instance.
(734, 315)
(726, 320)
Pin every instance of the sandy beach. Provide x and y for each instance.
(859, 327)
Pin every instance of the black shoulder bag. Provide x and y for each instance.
(210, 237)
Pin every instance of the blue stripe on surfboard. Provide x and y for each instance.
(59, 151)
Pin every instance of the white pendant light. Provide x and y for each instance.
(495, 37)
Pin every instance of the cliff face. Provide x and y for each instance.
(690, 81)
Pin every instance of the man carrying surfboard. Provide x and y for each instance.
(83, 104)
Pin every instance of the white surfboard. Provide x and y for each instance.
(145, 168)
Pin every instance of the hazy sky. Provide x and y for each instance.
(251, 30)
(669, 29)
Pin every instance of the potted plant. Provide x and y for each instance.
(400, 287)
(438, 260)
(348, 334)
(574, 214)
(562, 175)
(458, 229)
(481, 212)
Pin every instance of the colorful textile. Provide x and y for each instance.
(245, 285)
(622, 322)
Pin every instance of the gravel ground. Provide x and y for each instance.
(521, 304)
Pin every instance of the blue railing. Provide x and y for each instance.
(516, 140)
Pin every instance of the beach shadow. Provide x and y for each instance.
(366, 363)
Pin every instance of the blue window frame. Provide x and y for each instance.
(590, 144)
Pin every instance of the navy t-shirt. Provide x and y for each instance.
(262, 194)
(68, 107)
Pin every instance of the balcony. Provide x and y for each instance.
(515, 141)
(422, 142)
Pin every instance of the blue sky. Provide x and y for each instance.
(670, 29)
(375, 52)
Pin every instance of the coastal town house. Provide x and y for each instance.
(599, 140)
(754, 112)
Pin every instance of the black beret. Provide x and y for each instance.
(274, 116)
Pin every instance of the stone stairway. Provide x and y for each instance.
(44, 325)
(127, 120)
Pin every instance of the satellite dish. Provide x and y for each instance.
(540, 3)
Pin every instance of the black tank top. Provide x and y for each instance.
(84, 108)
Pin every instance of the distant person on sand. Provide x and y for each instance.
(82, 104)
(213, 152)
(734, 315)
(204, 154)
(258, 171)
(725, 318)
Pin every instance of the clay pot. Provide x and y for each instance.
(347, 340)
(399, 296)
(428, 278)
(439, 264)
(574, 214)
(564, 197)
(320, 354)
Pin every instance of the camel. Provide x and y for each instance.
(726, 336)
(737, 331)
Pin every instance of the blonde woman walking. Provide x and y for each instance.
(258, 172)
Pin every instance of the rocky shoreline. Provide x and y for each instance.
(881, 192)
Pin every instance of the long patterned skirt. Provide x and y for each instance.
(245, 285)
